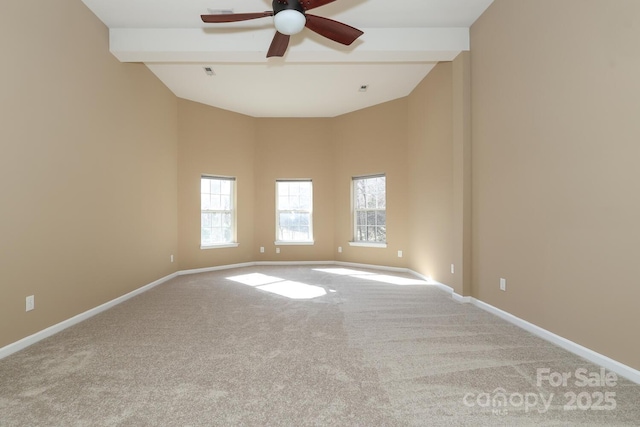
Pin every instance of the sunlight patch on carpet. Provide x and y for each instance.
(255, 279)
(280, 286)
(384, 278)
(294, 290)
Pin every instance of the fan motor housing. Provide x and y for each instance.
(280, 5)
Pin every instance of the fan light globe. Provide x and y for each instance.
(289, 22)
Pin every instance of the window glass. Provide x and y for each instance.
(294, 207)
(217, 216)
(369, 206)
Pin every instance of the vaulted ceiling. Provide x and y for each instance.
(317, 77)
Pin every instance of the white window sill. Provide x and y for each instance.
(221, 245)
(290, 243)
(368, 244)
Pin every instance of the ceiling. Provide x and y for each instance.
(402, 42)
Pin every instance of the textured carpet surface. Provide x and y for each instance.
(304, 346)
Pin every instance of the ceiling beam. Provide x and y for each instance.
(250, 45)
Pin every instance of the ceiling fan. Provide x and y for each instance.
(290, 18)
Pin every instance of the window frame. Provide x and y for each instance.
(355, 210)
(233, 241)
(280, 242)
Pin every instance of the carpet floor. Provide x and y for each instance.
(304, 346)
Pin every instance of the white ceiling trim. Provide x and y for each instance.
(197, 45)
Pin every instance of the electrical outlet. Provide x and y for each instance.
(277, 250)
(339, 249)
(30, 303)
(171, 258)
(453, 269)
(399, 254)
(261, 249)
(503, 284)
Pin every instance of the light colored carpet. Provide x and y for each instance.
(205, 350)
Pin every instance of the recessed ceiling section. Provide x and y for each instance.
(297, 89)
(317, 77)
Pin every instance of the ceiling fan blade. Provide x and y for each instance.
(279, 45)
(312, 4)
(334, 30)
(234, 17)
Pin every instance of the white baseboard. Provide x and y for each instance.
(216, 268)
(45, 333)
(371, 266)
(250, 264)
(588, 354)
(599, 359)
(446, 288)
(14, 347)
(460, 298)
(267, 263)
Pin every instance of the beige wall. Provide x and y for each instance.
(294, 149)
(214, 142)
(87, 168)
(430, 162)
(462, 185)
(555, 134)
(370, 141)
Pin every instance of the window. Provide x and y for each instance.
(294, 202)
(217, 205)
(369, 208)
